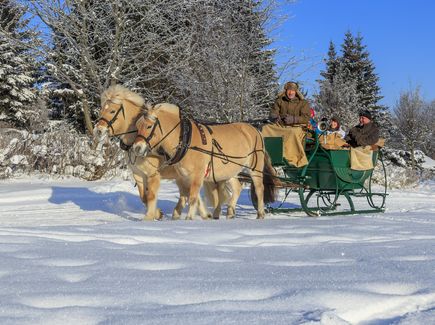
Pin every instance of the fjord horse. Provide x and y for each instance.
(201, 153)
(120, 110)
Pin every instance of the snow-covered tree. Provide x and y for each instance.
(338, 98)
(331, 64)
(230, 75)
(409, 117)
(17, 65)
(205, 55)
(428, 145)
(353, 76)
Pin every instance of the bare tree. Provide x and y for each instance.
(428, 126)
(409, 117)
(229, 74)
(93, 44)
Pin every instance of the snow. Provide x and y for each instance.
(76, 252)
(428, 163)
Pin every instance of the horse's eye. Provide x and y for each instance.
(112, 112)
(149, 127)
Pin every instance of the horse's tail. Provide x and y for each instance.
(269, 180)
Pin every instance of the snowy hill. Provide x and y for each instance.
(74, 252)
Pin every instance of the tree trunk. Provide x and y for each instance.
(413, 164)
(87, 115)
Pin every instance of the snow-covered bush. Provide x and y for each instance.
(61, 151)
(399, 170)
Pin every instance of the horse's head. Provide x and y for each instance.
(120, 108)
(150, 133)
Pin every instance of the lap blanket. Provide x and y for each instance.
(293, 142)
(361, 158)
(332, 141)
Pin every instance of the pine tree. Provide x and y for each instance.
(355, 72)
(17, 65)
(357, 66)
(331, 64)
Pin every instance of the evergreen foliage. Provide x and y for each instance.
(17, 66)
(350, 84)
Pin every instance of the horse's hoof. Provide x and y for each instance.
(189, 218)
(231, 217)
(175, 218)
(260, 217)
(159, 215)
(148, 218)
(207, 217)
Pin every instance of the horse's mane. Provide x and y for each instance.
(167, 107)
(119, 93)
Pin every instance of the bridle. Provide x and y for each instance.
(153, 130)
(184, 140)
(114, 118)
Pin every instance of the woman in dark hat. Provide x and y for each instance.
(366, 133)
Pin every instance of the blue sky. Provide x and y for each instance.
(399, 35)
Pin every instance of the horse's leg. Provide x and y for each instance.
(223, 197)
(153, 185)
(236, 188)
(141, 183)
(212, 196)
(181, 201)
(202, 209)
(257, 180)
(195, 187)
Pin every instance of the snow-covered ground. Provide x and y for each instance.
(75, 252)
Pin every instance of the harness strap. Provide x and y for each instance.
(201, 133)
(124, 146)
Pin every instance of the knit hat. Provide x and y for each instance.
(366, 113)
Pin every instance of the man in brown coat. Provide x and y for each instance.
(291, 112)
(290, 107)
(366, 133)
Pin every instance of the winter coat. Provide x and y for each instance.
(291, 111)
(363, 135)
(340, 131)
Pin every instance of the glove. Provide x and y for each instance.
(289, 119)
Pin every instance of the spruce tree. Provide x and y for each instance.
(352, 74)
(357, 66)
(17, 65)
(331, 64)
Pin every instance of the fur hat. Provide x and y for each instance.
(367, 114)
(291, 85)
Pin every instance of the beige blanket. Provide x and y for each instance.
(361, 158)
(293, 142)
(332, 141)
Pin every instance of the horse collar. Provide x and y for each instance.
(185, 140)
